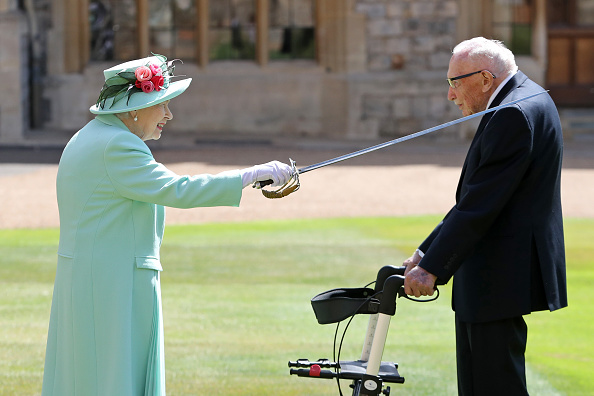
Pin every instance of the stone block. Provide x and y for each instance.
(380, 63)
(422, 9)
(448, 9)
(402, 108)
(13, 61)
(377, 106)
(398, 45)
(406, 127)
(420, 105)
(440, 60)
(377, 46)
(397, 9)
(384, 27)
(424, 44)
(366, 129)
(442, 27)
(438, 106)
(373, 11)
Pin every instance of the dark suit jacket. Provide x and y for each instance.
(503, 240)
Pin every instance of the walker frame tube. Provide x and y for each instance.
(369, 373)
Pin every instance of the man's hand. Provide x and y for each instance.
(412, 262)
(419, 282)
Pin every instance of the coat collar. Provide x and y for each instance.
(518, 79)
(111, 119)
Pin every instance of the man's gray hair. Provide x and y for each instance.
(494, 53)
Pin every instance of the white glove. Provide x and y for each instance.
(276, 171)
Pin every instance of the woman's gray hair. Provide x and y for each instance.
(494, 53)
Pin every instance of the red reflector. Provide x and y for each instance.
(314, 370)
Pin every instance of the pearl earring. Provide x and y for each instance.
(136, 118)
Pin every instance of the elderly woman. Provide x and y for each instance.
(106, 330)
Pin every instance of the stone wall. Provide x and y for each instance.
(390, 82)
(409, 45)
(409, 34)
(14, 108)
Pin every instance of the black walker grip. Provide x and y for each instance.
(391, 288)
(384, 273)
(327, 374)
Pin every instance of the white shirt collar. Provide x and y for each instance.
(499, 88)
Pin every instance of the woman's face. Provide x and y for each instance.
(152, 120)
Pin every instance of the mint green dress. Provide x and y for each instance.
(106, 325)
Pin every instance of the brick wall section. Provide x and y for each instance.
(397, 89)
(409, 34)
(411, 41)
(13, 55)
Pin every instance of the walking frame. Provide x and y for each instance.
(368, 374)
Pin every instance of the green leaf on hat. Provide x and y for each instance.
(112, 90)
(123, 83)
(109, 91)
(128, 75)
(116, 80)
(132, 90)
(121, 93)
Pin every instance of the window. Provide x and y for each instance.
(202, 30)
(113, 29)
(232, 29)
(512, 24)
(291, 34)
(171, 28)
(585, 13)
(563, 13)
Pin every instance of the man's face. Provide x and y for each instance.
(472, 93)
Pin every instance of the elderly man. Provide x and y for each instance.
(503, 240)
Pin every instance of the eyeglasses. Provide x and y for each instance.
(453, 84)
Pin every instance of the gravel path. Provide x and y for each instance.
(408, 179)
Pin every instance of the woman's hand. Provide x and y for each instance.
(278, 172)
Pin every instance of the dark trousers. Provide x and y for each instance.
(490, 357)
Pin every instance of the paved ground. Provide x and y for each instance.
(416, 177)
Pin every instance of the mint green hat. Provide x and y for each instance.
(138, 84)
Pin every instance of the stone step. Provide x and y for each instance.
(578, 124)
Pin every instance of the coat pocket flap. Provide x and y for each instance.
(149, 263)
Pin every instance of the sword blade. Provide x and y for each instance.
(411, 136)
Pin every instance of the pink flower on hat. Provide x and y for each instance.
(158, 81)
(147, 86)
(143, 73)
(151, 76)
(156, 70)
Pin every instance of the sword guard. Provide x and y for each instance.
(289, 187)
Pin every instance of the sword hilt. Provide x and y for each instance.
(262, 184)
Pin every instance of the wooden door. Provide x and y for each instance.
(570, 73)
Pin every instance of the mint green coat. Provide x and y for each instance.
(106, 329)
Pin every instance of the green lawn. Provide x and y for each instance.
(236, 306)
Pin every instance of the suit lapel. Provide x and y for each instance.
(512, 84)
(518, 79)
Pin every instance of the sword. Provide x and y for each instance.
(388, 143)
